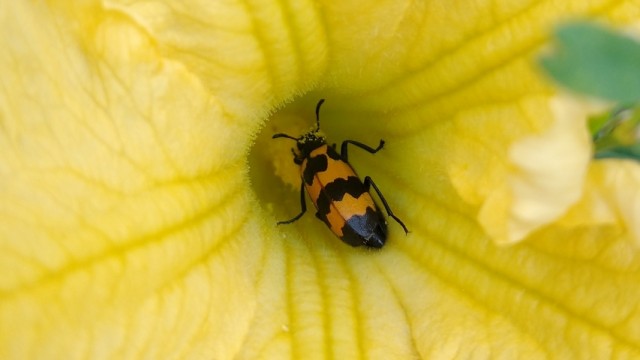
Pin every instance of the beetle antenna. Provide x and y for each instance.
(281, 135)
(318, 114)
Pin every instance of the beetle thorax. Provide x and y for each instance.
(309, 142)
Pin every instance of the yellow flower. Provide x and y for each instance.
(139, 188)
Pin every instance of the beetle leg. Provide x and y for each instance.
(303, 206)
(343, 148)
(367, 182)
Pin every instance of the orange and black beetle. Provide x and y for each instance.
(342, 200)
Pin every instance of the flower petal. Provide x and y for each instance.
(549, 176)
(122, 192)
(276, 49)
(610, 200)
(128, 182)
(446, 290)
(621, 182)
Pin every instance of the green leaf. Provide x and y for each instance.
(628, 152)
(596, 61)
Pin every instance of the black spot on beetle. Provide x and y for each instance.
(335, 191)
(314, 165)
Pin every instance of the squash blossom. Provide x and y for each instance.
(140, 187)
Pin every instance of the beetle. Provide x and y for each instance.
(343, 202)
